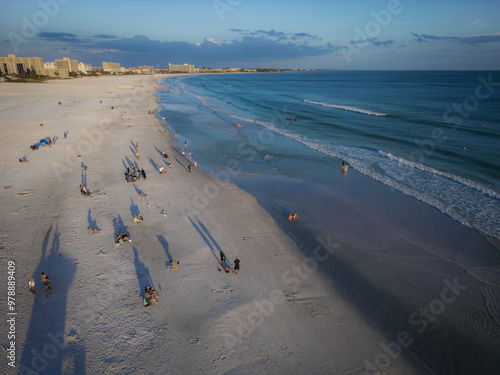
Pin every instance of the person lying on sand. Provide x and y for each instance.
(93, 230)
(150, 296)
(120, 238)
(23, 160)
(142, 195)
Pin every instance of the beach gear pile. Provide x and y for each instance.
(41, 143)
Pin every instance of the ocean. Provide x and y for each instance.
(417, 209)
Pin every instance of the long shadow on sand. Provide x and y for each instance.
(155, 166)
(45, 350)
(182, 165)
(119, 226)
(205, 238)
(142, 272)
(160, 152)
(139, 191)
(134, 209)
(92, 222)
(164, 243)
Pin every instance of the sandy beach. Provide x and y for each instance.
(277, 316)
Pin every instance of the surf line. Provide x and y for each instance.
(347, 108)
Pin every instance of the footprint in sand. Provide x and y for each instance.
(194, 340)
(224, 290)
(25, 192)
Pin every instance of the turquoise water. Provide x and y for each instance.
(420, 202)
(433, 135)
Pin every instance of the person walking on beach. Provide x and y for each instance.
(143, 173)
(176, 134)
(222, 258)
(189, 168)
(32, 287)
(195, 163)
(46, 283)
(236, 265)
(189, 155)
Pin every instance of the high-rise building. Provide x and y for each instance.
(15, 65)
(67, 64)
(182, 68)
(111, 67)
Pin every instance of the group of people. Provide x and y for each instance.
(84, 191)
(150, 296)
(133, 174)
(292, 216)
(93, 230)
(121, 238)
(45, 282)
(223, 260)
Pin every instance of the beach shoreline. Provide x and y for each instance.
(277, 316)
(393, 255)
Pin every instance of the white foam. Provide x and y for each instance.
(465, 201)
(347, 108)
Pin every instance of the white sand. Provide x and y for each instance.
(278, 316)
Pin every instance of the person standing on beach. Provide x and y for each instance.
(236, 265)
(162, 171)
(46, 283)
(185, 144)
(176, 134)
(189, 168)
(222, 258)
(195, 163)
(143, 174)
(32, 287)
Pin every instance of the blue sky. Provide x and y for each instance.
(330, 34)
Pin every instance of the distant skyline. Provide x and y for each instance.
(335, 34)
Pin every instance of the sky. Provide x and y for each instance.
(291, 34)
